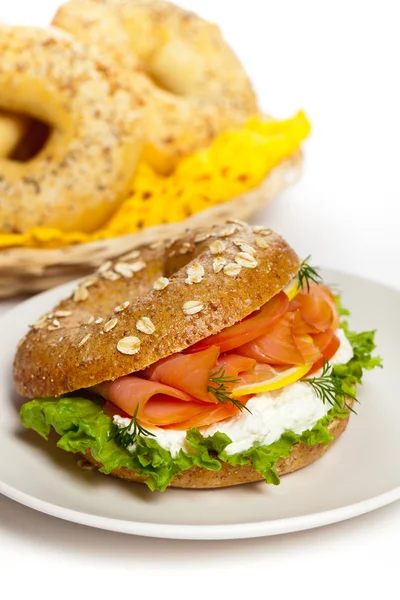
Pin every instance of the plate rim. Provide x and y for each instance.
(201, 532)
(204, 532)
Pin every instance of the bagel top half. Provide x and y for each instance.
(150, 304)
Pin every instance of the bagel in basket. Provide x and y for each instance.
(199, 362)
(84, 170)
(192, 83)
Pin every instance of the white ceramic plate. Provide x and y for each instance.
(359, 474)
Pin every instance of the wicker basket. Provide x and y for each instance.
(27, 270)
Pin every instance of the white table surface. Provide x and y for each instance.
(339, 61)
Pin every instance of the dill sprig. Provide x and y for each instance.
(220, 390)
(126, 436)
(329, 388)
(306, 274)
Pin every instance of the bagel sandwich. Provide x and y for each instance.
(215, 359)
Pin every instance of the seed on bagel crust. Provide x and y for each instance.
(90, 320)
(145, 325)
(110, 325)
(56, 323)
(262, 230)
(262, 242)
(246, 248)
(39, 324)
(81, 294)
(110, 276)
(121, 307)
(227, 231)
(170, 242)
(62, 313)
(218, 264)
(129, 345)
(131, 255)
(124, 270)
(105, 267)
(160, 283)
(185, 248)
(191, 307)
(84, 340)
(99, 320)
(244, 259)
(137, 266)
(53, 327)
(89, 281)
(156, 245)
(232, 269)
(237, 222)
(195, 274)
(217, 247)
(201, 237)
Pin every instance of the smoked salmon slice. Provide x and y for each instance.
(328, 343)
(261, 372)
(281, 346)
(276, 347)
(317, 308)
(326, 293)
(192, 388)
(228, 367)
(162, 404)
(189, 373)
(208, 417)
(158, 404)
(260, 321)
(234, 365)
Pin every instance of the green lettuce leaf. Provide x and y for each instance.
(83, 426)
(363, 345)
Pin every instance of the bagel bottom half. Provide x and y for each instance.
(201, 478)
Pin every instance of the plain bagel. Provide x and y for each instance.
(86, 167)
(151, 304)
(193, 85)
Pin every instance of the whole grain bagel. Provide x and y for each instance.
(193, 85)
(228, 475)
(87, 165)
(151, 304)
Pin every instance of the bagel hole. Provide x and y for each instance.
(32, 142)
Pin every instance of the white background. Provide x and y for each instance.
(340, 62)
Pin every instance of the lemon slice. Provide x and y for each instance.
(279, 381)
(292, 288)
